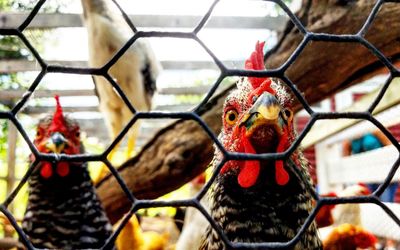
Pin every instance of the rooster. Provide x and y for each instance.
(135, 72)
(63, 209)
(349, 237)
(260, 201)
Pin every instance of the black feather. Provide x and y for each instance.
(148, 80)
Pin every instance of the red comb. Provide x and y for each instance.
(366, 190)
(256, 62)
(58, 123)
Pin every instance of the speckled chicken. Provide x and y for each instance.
(260, 201)
(63, 209)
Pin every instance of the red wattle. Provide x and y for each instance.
(281, 176)
(46, 171)
(62, 169)
(249, 173)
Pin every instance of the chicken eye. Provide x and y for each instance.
(288, 114)
(231, 117)
(38, 133)
(77, 134)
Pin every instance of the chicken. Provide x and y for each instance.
(349, 237)
(63, 211)
(260, 201)
(135, 72)
(349, 213)
(131, 237)
(331, 216)
(324, 216)
(342, 213)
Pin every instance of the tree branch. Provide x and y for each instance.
(324, 68)
(174, 156)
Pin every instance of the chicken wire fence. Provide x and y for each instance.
(194, 115)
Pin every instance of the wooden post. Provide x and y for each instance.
(322, 168)
(324, 152)
(11, 159)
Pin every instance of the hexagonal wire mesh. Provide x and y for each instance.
(359, 38)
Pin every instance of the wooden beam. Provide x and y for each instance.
(7, 95)
(48, 21)
(34, 110)
(195, 90)
(20, 65)
(69, 109)
(326, 128)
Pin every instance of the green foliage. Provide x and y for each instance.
(27, 5)
(10, 48)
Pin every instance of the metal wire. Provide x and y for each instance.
(137, 204)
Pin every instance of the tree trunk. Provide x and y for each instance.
(182, 150)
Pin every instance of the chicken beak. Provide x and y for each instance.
(56, 143)
(265, 111)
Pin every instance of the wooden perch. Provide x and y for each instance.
(182, 150)
(10, 243)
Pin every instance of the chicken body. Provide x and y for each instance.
(63, 209)
(260, 201)
(135, 72)
(133, 238)
(349, 213)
